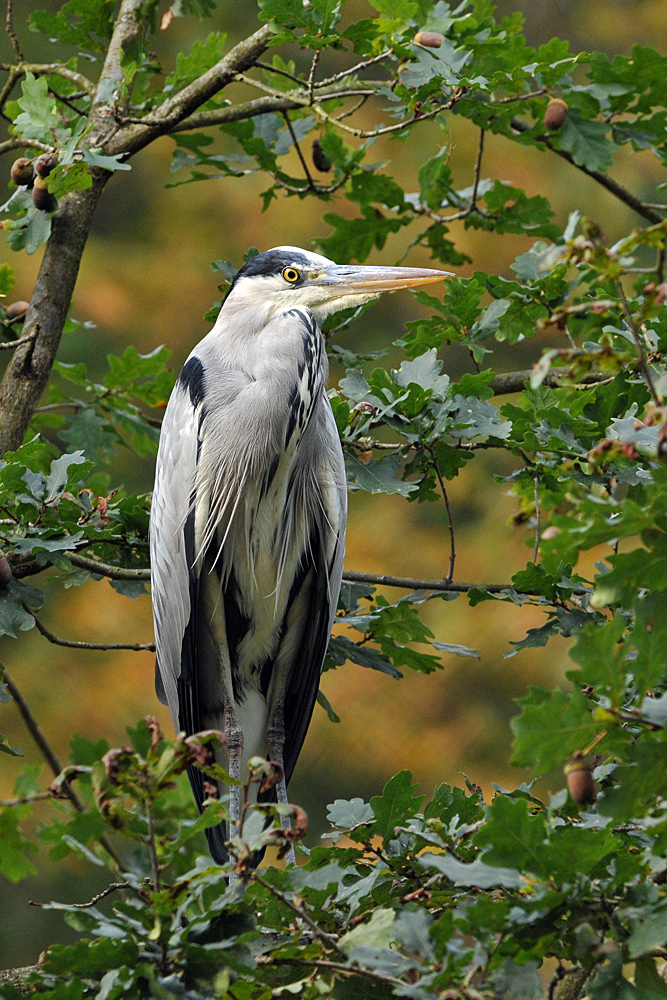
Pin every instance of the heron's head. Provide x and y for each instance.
(286, 277)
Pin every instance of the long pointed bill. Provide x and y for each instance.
(351, 279)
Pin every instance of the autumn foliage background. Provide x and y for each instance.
(146, 280)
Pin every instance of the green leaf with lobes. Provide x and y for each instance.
(551, 726)
(587, 141)
(396, 805)
(39, 118)
(379, 476)
(13, 615)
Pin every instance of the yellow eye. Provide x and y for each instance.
(291, 274)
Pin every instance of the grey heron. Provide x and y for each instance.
(248, 515)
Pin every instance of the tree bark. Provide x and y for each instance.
(16, 978)
(29, 370)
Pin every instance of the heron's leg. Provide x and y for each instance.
(231, 724)
(234, 737)
(275, 743)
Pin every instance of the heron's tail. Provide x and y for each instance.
(216, 837)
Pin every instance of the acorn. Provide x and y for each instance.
(5, 570)
(555, 114)
(17, 310)
(432, 39)
(45, 163)
(320, 158)
(579, 777)
(22, 171)
(42, 197)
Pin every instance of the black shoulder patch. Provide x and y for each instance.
(192, 378)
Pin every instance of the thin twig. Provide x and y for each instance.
(7, 89)
(9, 28)
(52, 69)
(361, 133)
(322, 963)
(325, 939)
(38, 736)
(10, 345)
(641, 357)
(288, 122)
(68, 101)
(75, 644)
(84, 906)
(636, 204)
(281, 72)
(355, 69)
(356, 107)
(337, 123)
(26, 799)
(509, 382)
(414, 583)
(50, 755)
(537, 518)
(250, 109)
(450, 521)
(311, 75)
(316, 188)
(478, 168)
(521, 97)
(152, 849)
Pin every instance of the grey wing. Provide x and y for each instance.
(173, 580)
(314, 593)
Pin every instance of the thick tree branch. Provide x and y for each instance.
(16, 142)
(131, 138)
(105, 569)
(349, 576)
(28, 372)
(126, 28)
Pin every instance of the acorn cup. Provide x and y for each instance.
(23, 172)
(555, 114)
(579, 778)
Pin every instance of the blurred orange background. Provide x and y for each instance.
(146, 280)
